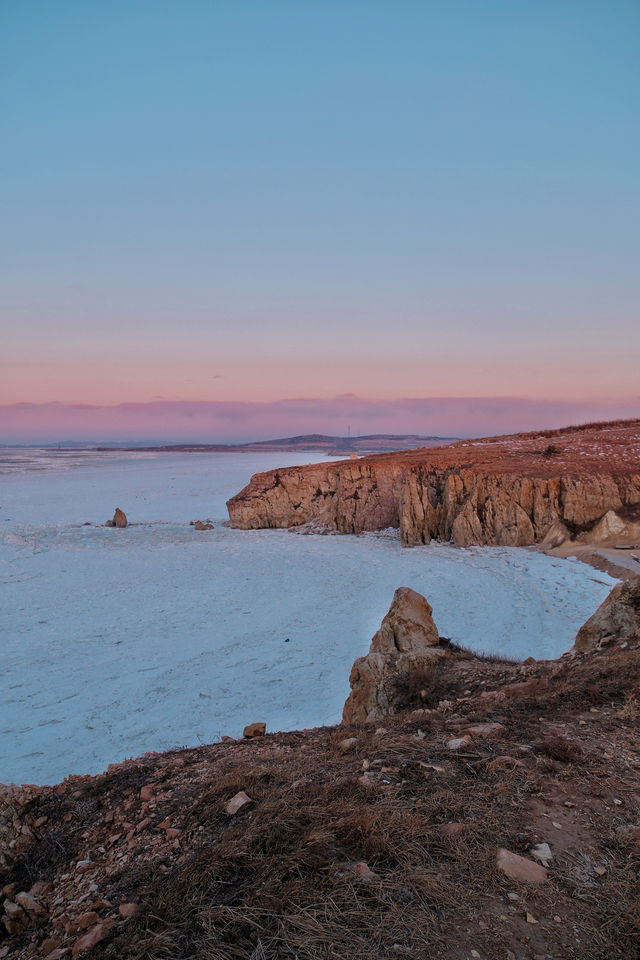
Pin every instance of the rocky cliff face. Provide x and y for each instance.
(509, 492)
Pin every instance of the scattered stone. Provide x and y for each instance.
(485, 730)
(528, 688)
(257, 729)
(542, 853)
(202, 525)
(128, 910)
(630, 832)
(349, 744)
(58, 954)
(513, 897)
(459, 743)
(236, 803)
(453, 829)
(93, 936)
(30, 905)
(16, 919)
(519, 868)
(364, 872)
(86, 920)
(147, 792)
(49, 945)
(435, 767)
(368, 780)
(531, 918)
(600, 871)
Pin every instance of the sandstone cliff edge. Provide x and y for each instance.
(579, 483)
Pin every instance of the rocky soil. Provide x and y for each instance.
(495, 815)
(578, 484)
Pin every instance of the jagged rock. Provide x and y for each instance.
(89, 940)
(519, 868)
(202, 525)
(406, 641)
(617, 616)
(257, 729)
(119, 519)
(459, 743)
(556, 535)
(30, 905)
(15, 918)
(610, 525)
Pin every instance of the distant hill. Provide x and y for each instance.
(331, 446)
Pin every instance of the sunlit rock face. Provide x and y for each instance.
(407, 641)
(511, 491)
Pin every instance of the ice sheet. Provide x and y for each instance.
(116, 642)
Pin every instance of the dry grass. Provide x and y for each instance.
(278, 880)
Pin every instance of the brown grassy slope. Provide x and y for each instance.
(279, 879)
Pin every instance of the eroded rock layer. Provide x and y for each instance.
(512, 491)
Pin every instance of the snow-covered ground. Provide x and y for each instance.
(116, 642)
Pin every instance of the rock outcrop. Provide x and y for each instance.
(503, 492)
(119, 519)
(406, 642)
(617, 617)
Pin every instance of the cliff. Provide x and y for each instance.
(579, 483)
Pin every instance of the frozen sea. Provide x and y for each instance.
(117, 642)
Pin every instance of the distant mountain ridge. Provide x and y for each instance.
(332, 446)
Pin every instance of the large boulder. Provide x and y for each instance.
(407, 641)
(119, 519)
(618, 616)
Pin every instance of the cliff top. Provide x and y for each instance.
(611, 447)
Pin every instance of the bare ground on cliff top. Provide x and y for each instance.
(589, 449)
(283, 878)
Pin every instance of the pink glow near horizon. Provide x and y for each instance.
(165, 421)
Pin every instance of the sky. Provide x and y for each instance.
(233, 220)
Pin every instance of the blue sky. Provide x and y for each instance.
(226, 201)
